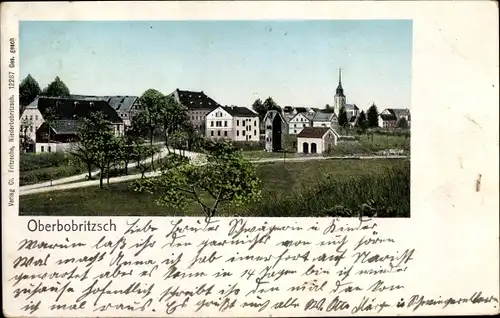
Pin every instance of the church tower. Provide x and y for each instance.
(340, 99)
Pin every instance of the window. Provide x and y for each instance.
(269, 127)
(250, 137)
(211, 123)
(36, 117)
(218, 132)
(294, 125)
(237, 123)
(225, 133)
(48, 148)
(294, 131)
(225, 123)
(211, 133)
(42, 149)
(304, 125)
(31, 128)
(255, 123)
(243, 133)
(31, 117)
(237, 133)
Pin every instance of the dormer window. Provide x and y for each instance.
(91, 104)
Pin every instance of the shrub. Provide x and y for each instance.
(47, 174)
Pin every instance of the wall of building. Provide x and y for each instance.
(219, 125)
(246, 129)
(54, 147)
(34, 117)
(298, 123)
(309, 141)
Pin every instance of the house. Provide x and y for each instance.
(324, 119)
(232, 123)
(31, 119)
(352, 110)
(390, 117)
(67, 114)
(198, 104)
(316, 140)
(299, 121)
(276, 128)
(125, 106)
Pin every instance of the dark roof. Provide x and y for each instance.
(74, 109)
(65, 127)
(313, 132)
(301, 109)
(288, 109)
(399, 112)
(351, 107)
(239, 111)
(121, 103)
(388, 117)
(321, 116)
(193, 100)
(353, 119)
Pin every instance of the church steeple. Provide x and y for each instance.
(340, 90)
(339, 99)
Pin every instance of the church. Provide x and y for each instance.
(340, 101)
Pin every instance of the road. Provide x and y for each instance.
(193, 156)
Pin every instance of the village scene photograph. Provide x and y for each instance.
(262, 118)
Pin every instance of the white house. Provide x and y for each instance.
(390, 117)
(322, 119)
(299, 122)
(316, 140)
(232, 123)
(32, 119)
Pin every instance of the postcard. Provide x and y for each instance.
(249, 159)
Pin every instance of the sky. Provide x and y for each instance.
(234, 62)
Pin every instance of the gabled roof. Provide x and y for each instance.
(74, 109)
(271, 114)
(305, 115)
(314, 132)
(65, 127)
(388, 117)
(237, 111)
(121, 103)
(321, 116)
(351, 107)
(399, 112)
(195, 100)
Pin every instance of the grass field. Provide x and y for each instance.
(289, 189)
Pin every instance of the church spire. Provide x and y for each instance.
(340, 90)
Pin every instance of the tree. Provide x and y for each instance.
(49, 117)
(24, 140)
(258, 107)
(226, 176)
(343, 121)
(141, 152)
(173, 119)
(56, 89)
(329, 109)
(148, 118)
(372, 115)
(97, 144)
(362, 123)
(270, 104)
(28, 91)
(402, 123)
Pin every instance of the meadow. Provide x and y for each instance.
(315, 188)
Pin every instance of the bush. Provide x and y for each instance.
(34, 161)
(47, 174)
